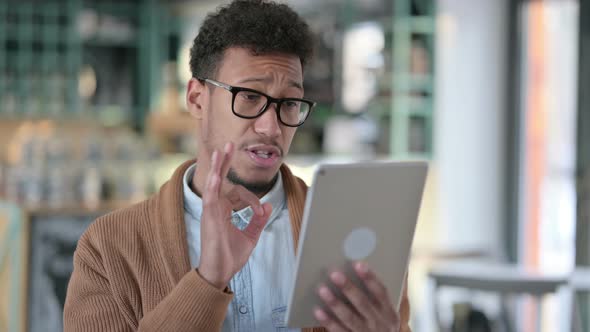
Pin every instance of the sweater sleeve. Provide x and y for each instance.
(193, 305)
(91, 304)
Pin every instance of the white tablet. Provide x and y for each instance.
(361, 211)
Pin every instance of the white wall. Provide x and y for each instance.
(469, 131)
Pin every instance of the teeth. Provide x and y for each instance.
(263, 154)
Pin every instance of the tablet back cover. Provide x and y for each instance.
(351, 211)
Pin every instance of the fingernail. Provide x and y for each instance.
(227, 147)
(338, 278)
(320, 314)
(325, 293)
(362, 267)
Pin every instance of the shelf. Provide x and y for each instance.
(120, 8)
(413, 82)
(105, 42)
(416, 24)
(170, 124)
(76, 209)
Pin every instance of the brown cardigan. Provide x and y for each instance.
(132, 269)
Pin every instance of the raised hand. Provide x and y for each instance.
(225, 249)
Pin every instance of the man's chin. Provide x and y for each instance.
(257, 186)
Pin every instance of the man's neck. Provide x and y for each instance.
(199, 179)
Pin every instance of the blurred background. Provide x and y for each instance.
(492, 93)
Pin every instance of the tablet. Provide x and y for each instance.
(361, 211)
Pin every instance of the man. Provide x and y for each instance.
(184, 260)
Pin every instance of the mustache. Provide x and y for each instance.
(272, 143)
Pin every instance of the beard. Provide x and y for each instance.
(256, 187)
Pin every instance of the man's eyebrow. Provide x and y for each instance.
(295, 84)
(292, 83)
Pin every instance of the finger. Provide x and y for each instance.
(218, 162)
(257, 223)
(373, 284)
(328, 322)
(213, 164)
(212, 181)
(359, 300)
(340, 310)
(243, 195)
(228, 152)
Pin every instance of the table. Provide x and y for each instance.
(498, 278)
(580, 283)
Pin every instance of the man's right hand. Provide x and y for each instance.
(224, 248)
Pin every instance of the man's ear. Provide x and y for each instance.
(195, 97)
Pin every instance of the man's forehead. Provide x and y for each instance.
(261, 66)
(268, 79)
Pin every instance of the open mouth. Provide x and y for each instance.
(264, 155)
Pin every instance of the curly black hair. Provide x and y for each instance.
(261, 26)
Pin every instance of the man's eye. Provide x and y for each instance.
(292, 106)
(251, 96)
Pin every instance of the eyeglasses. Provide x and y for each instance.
(250, 104)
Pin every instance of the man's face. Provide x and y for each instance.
(260, 143)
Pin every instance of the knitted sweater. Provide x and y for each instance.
(132, 269)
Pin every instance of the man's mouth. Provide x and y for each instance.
(264, 155)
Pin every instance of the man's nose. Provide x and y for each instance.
(268, 123)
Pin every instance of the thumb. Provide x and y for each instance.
(257, 223)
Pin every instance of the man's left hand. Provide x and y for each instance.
(365, 313)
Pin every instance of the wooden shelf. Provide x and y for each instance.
(72, 209)
(171, 124)
(76, 209)
(169, 128)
